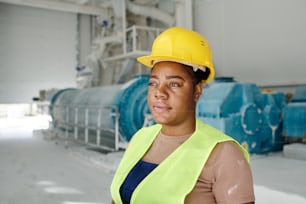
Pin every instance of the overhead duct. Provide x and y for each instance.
(152, 12)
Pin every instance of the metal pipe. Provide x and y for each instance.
(122, 109)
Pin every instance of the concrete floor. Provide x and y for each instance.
(40, 168)
(37, 170)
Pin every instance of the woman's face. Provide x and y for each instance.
(172, 94)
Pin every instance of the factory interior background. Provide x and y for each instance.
(72, 93)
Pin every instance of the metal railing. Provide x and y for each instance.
(136, 41)
(69, 120)
(140, 38)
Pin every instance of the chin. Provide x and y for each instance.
(161, 120)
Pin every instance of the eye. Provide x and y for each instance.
(152, 84)
(174, 84)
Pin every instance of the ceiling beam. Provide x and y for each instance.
(59, 6)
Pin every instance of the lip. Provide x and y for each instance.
(160, 108)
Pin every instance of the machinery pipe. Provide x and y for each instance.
(129, 99)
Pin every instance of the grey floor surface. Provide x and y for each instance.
(36, 168)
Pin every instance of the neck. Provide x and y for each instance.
(179, 129)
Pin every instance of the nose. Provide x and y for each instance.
(161, 92)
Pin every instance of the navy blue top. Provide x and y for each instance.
(136, 175)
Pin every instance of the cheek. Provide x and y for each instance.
(150, 96)
(183, 100)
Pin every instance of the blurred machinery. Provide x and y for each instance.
(109, 105)
(242, 111)
(294, 116)
(99, 115)
(103, 116)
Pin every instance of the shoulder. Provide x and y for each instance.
(230, 168)
(228, 147)
(226, 164)
(224, 142)
(225, 155)
(227, 161)
(227, 151)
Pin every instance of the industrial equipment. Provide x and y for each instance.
(242, 111)
(96, 115)
(294, 116)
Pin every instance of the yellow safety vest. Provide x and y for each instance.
(173, 179)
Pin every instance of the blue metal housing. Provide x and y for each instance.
(294, 116)
(130, 99)
(240, 110)
(244, 113)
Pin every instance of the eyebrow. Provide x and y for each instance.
(169, 77)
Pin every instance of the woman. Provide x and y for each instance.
(181, 159)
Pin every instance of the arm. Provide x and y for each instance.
(232, 173)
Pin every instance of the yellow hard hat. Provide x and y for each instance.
(183, 46)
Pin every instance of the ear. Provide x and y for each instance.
(197, 91)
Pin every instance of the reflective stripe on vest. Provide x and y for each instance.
(177, 175)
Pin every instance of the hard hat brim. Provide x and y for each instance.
(148, 61)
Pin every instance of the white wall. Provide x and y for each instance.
(86, 35)
(38, 50)
(260, 41)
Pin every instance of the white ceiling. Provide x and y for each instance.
(91, 7)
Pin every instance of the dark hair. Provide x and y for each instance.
(198, 75)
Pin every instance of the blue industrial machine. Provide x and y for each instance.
(294, 116)
(97, 108)
(242, 111)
